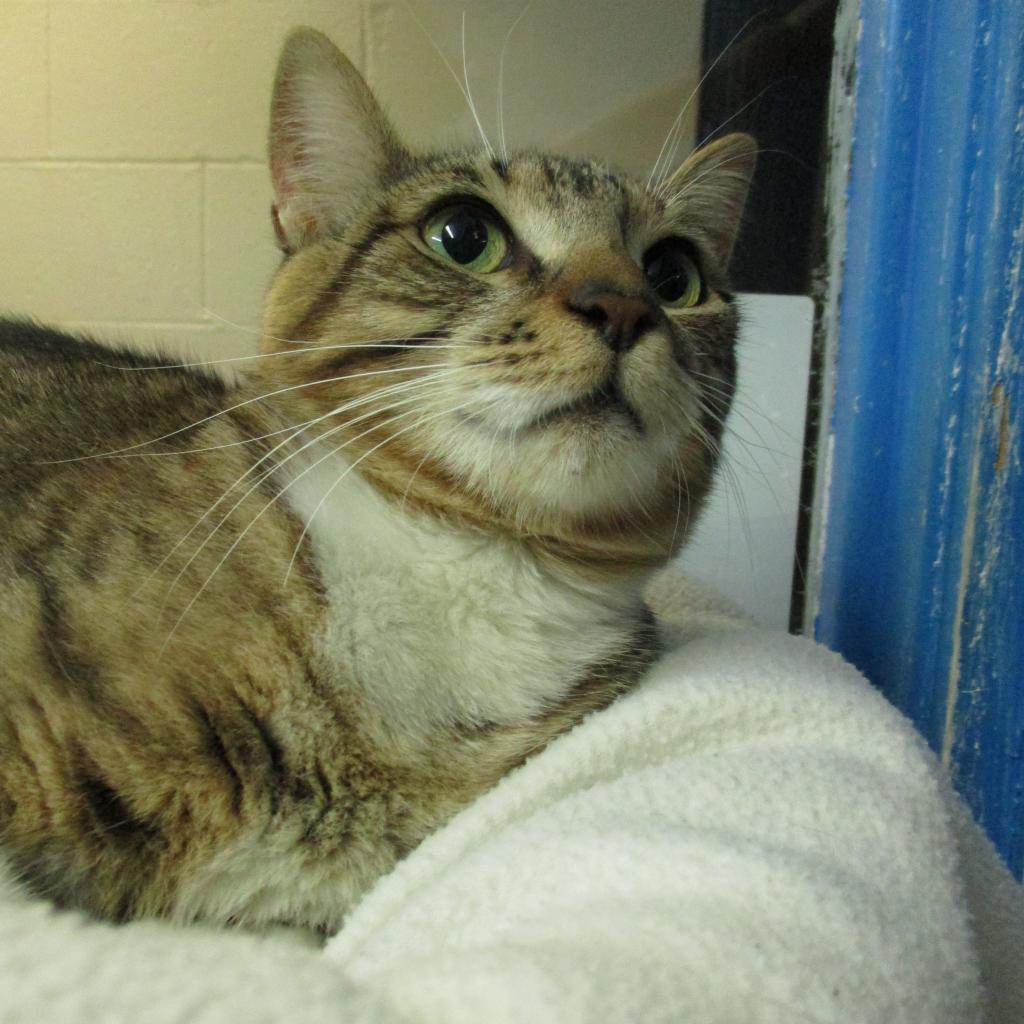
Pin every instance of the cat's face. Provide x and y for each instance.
(528, 340)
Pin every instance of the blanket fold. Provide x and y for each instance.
(753, 835)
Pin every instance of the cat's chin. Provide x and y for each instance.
(517, 413)
(579, 461)
(597, 419)
(605, 451)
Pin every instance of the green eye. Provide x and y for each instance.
(672, 272)
(468, 236)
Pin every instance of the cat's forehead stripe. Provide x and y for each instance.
(585, 179)
(562, 203)
(563, 177)
(447, 170)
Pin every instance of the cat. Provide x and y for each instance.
(261, 638)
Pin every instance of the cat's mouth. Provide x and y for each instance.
(606, 398)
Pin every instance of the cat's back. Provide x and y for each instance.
(64, 397)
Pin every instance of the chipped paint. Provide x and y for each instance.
(966, 557)
(842, 109)
(921, 516)
(1002, 404)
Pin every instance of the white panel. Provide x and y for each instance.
(745, 543)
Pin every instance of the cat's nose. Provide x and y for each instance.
(620, 318)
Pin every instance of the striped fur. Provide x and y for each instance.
(260, 639)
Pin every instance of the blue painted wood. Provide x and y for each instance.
(923, 569)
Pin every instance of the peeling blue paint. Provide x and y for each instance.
(922, 580)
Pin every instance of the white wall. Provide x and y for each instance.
(133, 194)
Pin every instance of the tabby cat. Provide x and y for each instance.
(261, 638)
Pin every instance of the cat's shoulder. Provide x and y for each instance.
(27, 341)
(37, 349)
(58, 389)
(41, 365)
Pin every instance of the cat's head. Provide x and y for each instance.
(522, 341)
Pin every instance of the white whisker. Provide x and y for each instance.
(469, 94)
(244, 327)
(462, 88)
(418, 423)
(252, 522)
(664, 160)
(746, 106)
(241, 405)
(732, 483)
(754, 466)
(501, 83)
(420, 343)
(295, 431)
(690, 184)
(681, 483)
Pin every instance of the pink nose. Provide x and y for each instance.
(619, 318)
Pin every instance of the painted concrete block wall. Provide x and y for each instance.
(133, 192)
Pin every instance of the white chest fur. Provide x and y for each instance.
(443, 625)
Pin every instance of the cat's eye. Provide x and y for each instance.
(671, 270)
(469, 236)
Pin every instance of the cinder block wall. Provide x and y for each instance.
(133, 192)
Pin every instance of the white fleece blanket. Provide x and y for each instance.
(753, 835)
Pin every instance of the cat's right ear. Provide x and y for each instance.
(330, 142)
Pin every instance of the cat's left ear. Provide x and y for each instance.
(712, 185)
(330, 143)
